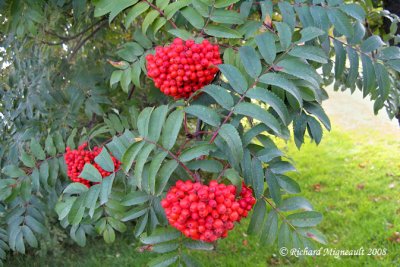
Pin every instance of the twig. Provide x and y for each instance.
(83, 41)
(131, 92)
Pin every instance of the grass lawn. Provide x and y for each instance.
(352, 178)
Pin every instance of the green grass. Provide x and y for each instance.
(358, 175)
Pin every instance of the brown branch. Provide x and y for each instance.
(84, 40)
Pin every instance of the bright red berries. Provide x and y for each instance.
(76, 160)
(206, 212)
(183, 67)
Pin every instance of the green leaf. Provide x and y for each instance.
(198, 245)
(109, 234)
(161, 236)
(305, 219)
(266, 46)
(271, 99)
(59, 142)
(13, 171)
(171, 9)
(288, 184)
(136, 70)
(285, 34)
(75, 188)
(117, 225)
(171, 129)
(162, 4)
(144, 120)
(19, 243)
(280, 81)
(354, 68)
(233, 176)
(257, 218)
(165, 172)
(257, 177)
(220, 95)
(309, 52)
(106, 186)
(340, 59)
(135, 198)
(295, 203)
(204, 113)
(354, 10)
(116, 8)
(369, 78)
(372, 43)
(164, 260)
(226, 16)
(49, 145)
(37, 150)
(35, 225)
(165, 247)
(284, 235)
(193, 17)
(222, 32)
(105, 161)
(268, 154)
(310, 33)
(318, 111)
(231, 136)
(314, 234)
(26, 189)
(287, 12)
(270, 230)
(257, 112)
(235, 78)
(383, 80)
(115, 77)
(300, 70)
(91, 198)
(196, 151)
(183, 34)
(395, 64)
(250, 60)
(130, 155)
(134, 213)
(90, 173)
(140, 162)
(156, 122)
(273, 186)
(134, 12)
(207, 165)
(224, 3)
(154, 168)
(149, 19)
(340, 22)
(29, 236)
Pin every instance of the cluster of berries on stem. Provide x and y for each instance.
(76, 160)
(183, 67)
(206, 212)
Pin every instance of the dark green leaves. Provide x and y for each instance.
(255, 111)
(105, 161)
(284, 33)
(266, 46)
(235, 78)
(341, 22)
(204, 113)
(171, 129)
(250, 60)
(220, 95)
(221, 31)
(372, 43)
(305, 219)
(232, 139)
(280, 81)
(13, 171)
(193, 17)
(90, 173)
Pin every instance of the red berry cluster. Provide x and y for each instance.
(76, 160)
(183, 67)
(204, 212)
